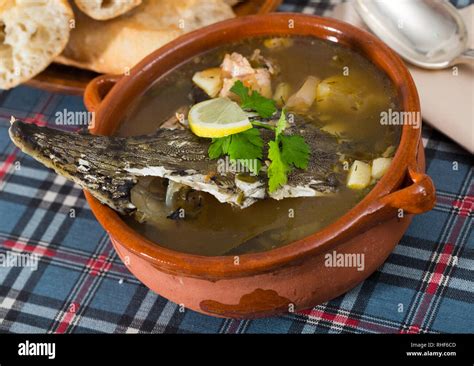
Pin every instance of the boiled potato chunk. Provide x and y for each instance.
(351, 95)
(282, 93)
(380, 167)
(209, 80)
(338, 92)
(359, 175)
(305, 96)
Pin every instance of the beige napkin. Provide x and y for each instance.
(447, 100)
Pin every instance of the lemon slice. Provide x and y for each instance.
(217, 118)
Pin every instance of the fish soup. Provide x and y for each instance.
(332, 96)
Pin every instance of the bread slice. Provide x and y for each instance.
(106, 9)
(32, 34)
(116, 45)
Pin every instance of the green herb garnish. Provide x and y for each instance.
(285, 152)
(243, 147)
(253, 100)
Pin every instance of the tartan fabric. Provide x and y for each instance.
(80, 285)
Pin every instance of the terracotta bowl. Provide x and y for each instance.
(293, 277)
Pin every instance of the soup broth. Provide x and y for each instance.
(360, 93)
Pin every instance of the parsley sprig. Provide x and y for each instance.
(285, 152)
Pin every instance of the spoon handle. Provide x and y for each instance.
(467, 57)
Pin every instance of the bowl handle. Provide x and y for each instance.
(97, 89)
(417, 197)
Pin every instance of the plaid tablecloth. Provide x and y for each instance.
(80, 285)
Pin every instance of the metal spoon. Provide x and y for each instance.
(427, 33)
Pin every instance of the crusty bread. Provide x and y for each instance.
(32, 34)
(106, 9)
(116, 45)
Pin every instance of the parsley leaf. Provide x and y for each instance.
(281, 124)
(216, 148)
(253, 100)
(285, 152)
(294, 150)
(245, 147)
(278, 170)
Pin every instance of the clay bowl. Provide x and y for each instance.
(293, 277)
